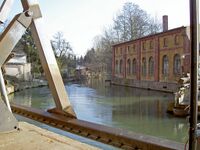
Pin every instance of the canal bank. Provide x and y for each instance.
(34, 138)
(23, 85)
(137, 110)
(149, 85)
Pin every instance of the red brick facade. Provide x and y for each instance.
(162, 57)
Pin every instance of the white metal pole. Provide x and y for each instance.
(3, 91)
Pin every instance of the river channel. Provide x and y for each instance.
(137, 110)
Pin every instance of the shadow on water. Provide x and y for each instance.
(133, 109)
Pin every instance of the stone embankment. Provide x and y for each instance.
(19, 86)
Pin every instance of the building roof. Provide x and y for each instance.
(148, 36)
(80, 67)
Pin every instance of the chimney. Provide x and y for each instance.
(165, 23)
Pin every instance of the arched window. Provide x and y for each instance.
(116, 67)
(177, 64)
(128, 67)
(151, 66)
(134, 68)
(121, 67)
(165, 65)
(144, 68)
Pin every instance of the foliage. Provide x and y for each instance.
(130, 23)
(133, 22)
(64, 54)
(62, 49)
(28, 45)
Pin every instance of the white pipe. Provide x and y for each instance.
(3, 91)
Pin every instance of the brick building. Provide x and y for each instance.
(153, 62)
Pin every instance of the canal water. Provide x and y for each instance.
(137, 110)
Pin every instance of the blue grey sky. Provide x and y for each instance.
(82, 20)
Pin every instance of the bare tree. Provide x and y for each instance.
(62, 49)
(130, 23)
(133, 22)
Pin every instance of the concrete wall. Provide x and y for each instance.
(21, 71)
(18, 59)
(152, 85)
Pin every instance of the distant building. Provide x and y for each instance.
(18, 66)
(81, 72)
(153, 62)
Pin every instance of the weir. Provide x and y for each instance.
(62, 116)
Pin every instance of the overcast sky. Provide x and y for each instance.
(82, 20)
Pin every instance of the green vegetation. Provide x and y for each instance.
(64, 54)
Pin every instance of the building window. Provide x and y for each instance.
(116, 67)
(144, 46)
(116, 51)
(134, 68)
(144, 67)
(165, 65)
(176, 40)
(121, 67)
(165, 42)
(133, 47)
(177, 64)
(151, 66)
(121, 51)
(151, 44)
(128, 50)
(128, 67)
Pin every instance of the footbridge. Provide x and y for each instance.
(63, 115)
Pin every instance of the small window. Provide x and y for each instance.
(144, 46)
(121, 66)
(116, 67)
(128, 50)
(120, 50)
(151, 45)
(128, 67)
(176, 40)
(165, 42)
(116, 51)
(133, 47)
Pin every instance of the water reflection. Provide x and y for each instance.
(133, 109)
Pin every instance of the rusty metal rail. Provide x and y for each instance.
(112, 136)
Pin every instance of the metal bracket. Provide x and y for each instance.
(198, 131)
(7, 120)
(32, 17)
(49, 62)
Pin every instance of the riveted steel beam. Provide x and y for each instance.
(48, 61)
(194, 30)
(7, 120)
(8, 40)
(112, 136)
(12, 34)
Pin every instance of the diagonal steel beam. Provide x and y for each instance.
(194, 28)
(12, 35)
(8, 40)
(48, 60)
(5, 9)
